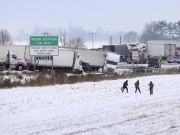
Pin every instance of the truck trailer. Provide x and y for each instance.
(67, 60)
(94, 59)
(161, 49)
(22, 51)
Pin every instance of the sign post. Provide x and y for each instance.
(44, 46)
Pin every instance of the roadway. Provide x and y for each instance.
(163, 66)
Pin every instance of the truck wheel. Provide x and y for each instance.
(20, 68)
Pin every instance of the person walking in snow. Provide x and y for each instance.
(125, 84)
(137, 86)
(151, 85)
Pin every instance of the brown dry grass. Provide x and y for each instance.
(45, 79)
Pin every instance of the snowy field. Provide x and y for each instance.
(93, 108)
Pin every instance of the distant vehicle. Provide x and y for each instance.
(154, 62)
(173, 59)
(127, 52)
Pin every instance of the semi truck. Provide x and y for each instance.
(67, 60)
(11, 61)
(93, 60)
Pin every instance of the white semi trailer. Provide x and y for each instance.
(160, 49)
(95, 59)
(20, 50)
(67, 60)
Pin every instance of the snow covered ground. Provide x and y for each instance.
(93, 108)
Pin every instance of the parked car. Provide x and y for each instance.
(173, 59)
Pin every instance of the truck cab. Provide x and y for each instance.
(111, 62)
(13, 62)
(77, 62)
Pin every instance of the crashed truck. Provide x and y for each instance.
(93, 60)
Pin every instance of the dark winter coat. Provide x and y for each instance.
(151, 85)
(137, 84)
(125, 84)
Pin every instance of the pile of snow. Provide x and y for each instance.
(93, 108)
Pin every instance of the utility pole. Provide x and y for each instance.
(45, 33)
(92, 38)
(70, 33)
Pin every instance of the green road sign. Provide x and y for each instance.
(43, 40)
(44, 45)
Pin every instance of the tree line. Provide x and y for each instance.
(157, 30)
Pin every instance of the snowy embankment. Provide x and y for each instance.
(93, 108)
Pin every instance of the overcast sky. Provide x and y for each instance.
(112, 15)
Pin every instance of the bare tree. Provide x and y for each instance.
(5, 37)
(62, 38)
(78, 42)
(131, 37)
(22, 35)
